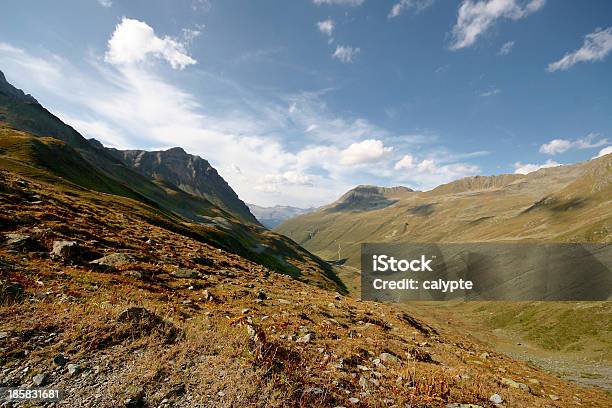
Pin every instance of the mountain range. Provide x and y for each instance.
(560, 204)
(183, 188)
(274, 216)
(136, 278)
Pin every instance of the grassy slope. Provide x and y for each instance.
(46, 158)
(197, 351)
(561, 205)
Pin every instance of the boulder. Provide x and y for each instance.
(185, 273)
(113, 260)
(66, 250)
(22, 242)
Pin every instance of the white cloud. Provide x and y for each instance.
(288, 149)
(405, 5)
(406, 162)
(604, 151)
(506, 48)
(367, 151)
(490, 92)
(339, 2)
(596, 47)
(433, 169)
(557, 146)
(326, 26)
(135, 41)
(520, 168)
(477, 17)
(105, 3)
(345, 54)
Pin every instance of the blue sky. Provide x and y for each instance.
(294, 102)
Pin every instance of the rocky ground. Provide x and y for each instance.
(117, 310)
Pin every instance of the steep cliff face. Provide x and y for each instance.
(190, 173)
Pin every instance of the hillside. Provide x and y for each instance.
(562, 204)
(35, 143)
(105, 298)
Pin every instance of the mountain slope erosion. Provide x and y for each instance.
(561, 204)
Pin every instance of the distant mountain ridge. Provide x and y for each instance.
(560, 204)
(274, 216)
(188, 172)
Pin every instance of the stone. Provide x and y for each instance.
(388, 358)
(21, 242)
(554, 397)
(496, 399)
(513, 384)
(456, 405)
(185, 273)
(354, 400)
(113, 260)
(245, 310)
(363, 382)
(74, 369)
(261, 295)
(66, 250)
(305, 338)
(59, 360)
(484, 355)
(39, 379)
(3, 335)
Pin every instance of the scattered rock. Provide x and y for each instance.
(22, 242)
(185, 273)
(136, 401)
(485, 355)
(3, 335)
(388, 358)
(39, 379)
(496, 399)
(305, 338)
(354, 400)
(112, 260)
(554, 397)
(207, 296)
(133, 274)
(74, 369)
(261, 295)
(66, 250)
(60, 360)
(245, 310)
(513, 384)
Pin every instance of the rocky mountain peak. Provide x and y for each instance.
(14, 93)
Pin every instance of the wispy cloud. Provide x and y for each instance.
(345, 53)
(339, 2)
(506, 48)
(596, 47)
(326, 27)
(557, 146)
(520, 168)
(490, 92)
(105, 3)
(273, 148)
(477, 17)
(406, 5)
